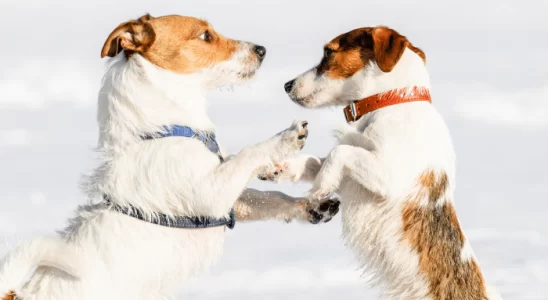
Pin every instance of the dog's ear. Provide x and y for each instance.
(388, 46)
(146, 17)
(133, 36)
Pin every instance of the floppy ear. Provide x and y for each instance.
(146, 17)
(134, 36)
(388, 46)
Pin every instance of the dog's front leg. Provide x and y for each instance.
(302, 167)
(254, 205)
(227, 181)
(352, 162)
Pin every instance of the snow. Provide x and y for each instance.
(493, 97)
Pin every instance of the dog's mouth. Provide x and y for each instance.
(302, 101)
(306, 101)
(247, 75)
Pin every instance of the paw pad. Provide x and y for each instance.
(324, 211)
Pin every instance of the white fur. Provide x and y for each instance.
(376, 165)
(120, 257)
(14, 269)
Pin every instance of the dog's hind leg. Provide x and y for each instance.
(52, 252)
(254, 205)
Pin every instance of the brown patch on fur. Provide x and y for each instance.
(418, 51)
(388, 46)
(170, 42)
(432, 185)
(10, 296)
(350, 52)
(433, 230)
(132, 36)
(145, 18)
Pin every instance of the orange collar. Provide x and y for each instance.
(359, 108)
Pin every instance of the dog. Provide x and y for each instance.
(393, 167)
(163, 192)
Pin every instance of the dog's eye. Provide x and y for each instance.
(206, 36)
(327, 52)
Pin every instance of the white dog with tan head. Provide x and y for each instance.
(163, 192)
(394, 167)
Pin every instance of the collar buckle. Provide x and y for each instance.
(353, 111)
(350, 113)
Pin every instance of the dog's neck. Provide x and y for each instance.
(409, 72)
(138, 97)
(375, 102)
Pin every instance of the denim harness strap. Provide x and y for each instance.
(208, 138)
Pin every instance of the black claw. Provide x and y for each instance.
(302, 136)
(305, 123)
(327, 220)
(262, 177)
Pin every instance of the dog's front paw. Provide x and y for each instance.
(323, 211)
(325, 184)
(320, 192)
(291, 140)
(275, 173)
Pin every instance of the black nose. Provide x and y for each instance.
(261, 51)
(289, 85)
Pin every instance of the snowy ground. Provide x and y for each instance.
(490, 82)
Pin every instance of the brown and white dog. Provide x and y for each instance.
(394, 167)
(160, 70)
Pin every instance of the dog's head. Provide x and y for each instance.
(356, 64)
(186, 45)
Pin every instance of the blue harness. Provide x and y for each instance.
(208, 138)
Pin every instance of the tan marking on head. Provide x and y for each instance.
(170, 42)
(352, 51)
(433, 230)
(10, 296)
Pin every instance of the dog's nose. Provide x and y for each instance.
(261, 51)
(288, 86)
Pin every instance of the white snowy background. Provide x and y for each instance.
(489, 67)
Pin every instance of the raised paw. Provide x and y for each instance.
(291, 140)
(296, 136)
(276, 173)
(323, 211)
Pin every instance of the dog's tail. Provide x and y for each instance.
(51, 252)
